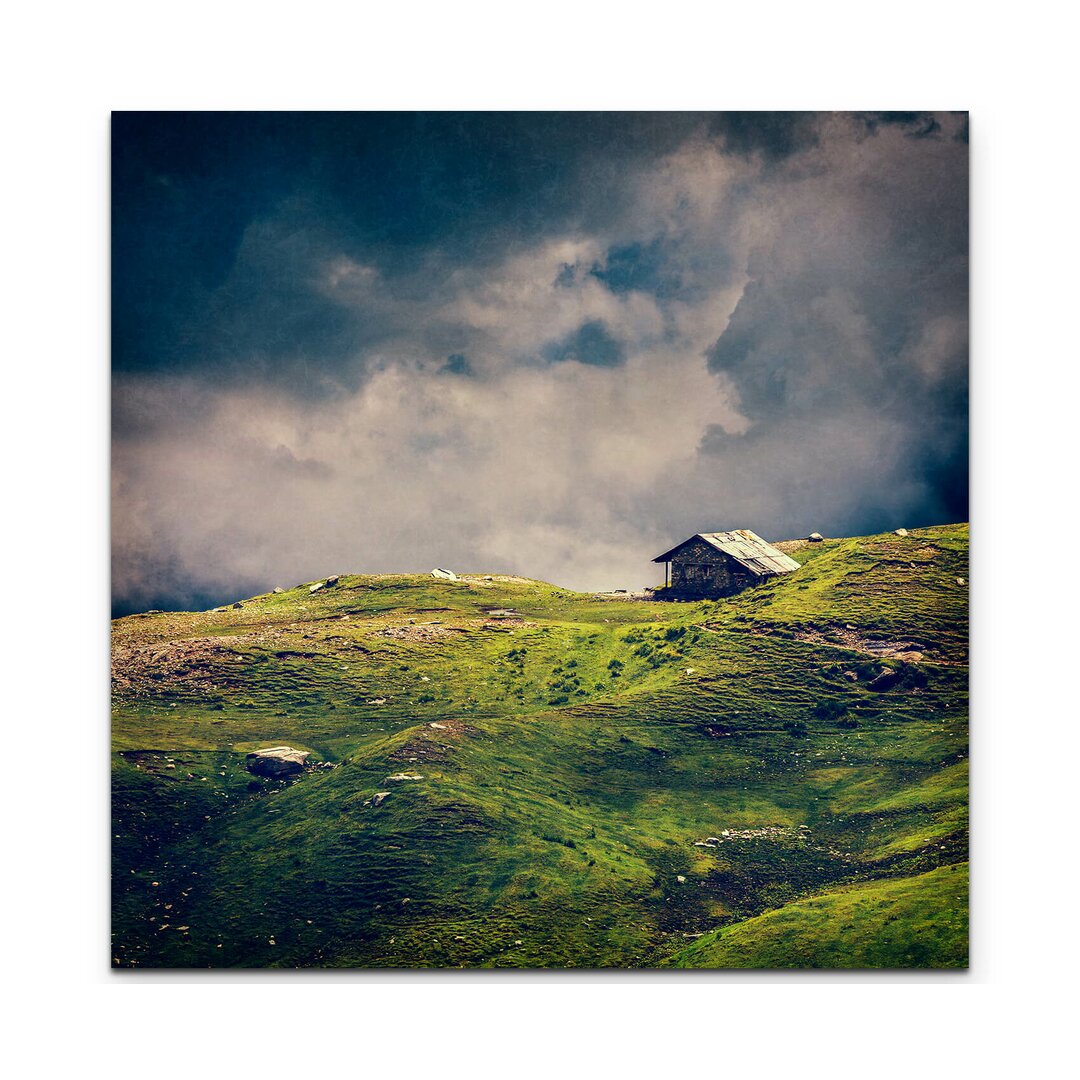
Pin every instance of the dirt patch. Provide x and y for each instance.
(849, 637)
(432, 743)
(767, 832)
(433, 631)
(439, 631)
(788, 546)
(901, 551)
(196, 662)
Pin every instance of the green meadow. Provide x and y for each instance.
(777, 780)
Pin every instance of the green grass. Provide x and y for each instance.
(915, 922)
(583, 747)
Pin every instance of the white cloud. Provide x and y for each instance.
(412, 471)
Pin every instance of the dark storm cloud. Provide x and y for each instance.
(772, 134)
(221, 221)
(856, 312)
(535, 343)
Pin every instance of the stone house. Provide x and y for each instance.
(711, 565)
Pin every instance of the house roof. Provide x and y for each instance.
(744, 547)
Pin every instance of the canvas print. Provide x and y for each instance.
(539, 540)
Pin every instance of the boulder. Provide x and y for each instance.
(238, 604)
(277, 761)
(884, 680)
(815, 538)
(446, 575)
(317, 586)
(901, 532)
(379, 797)
(403, 776)
(278, 588)
(333, 579)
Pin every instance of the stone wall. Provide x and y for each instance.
(699, 570)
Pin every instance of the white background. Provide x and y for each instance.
(67, 66)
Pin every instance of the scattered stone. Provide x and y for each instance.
(680, 879)
(440, 727)
(961, 581)
(276, 761)
(901, 532)
(379, 798)
(170, 766)
(403, 776)
(446, 575)
(377, 701)
(690, 671)
(767, 832)
(853, 676)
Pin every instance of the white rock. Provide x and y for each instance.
(277, 761)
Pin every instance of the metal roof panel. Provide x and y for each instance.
(744, 547)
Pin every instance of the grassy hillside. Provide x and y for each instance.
(894, 923)
(599, 783)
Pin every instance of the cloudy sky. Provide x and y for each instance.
(550, 345)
